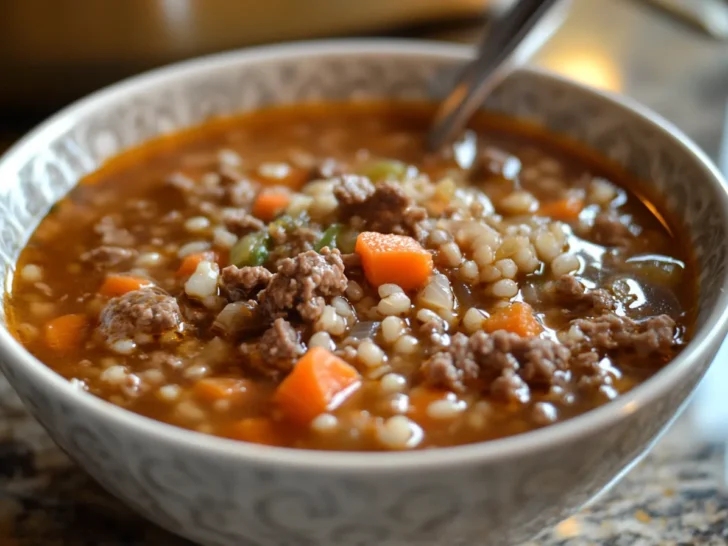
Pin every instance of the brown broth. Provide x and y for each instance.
(132, 184)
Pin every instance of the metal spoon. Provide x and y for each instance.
(513, 38)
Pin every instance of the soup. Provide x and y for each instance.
(311, 277)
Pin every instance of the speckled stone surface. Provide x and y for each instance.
(674, 497)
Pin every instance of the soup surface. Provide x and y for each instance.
(310, 277)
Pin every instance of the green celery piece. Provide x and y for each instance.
(250, 250)
(384, 169)
(329, 237)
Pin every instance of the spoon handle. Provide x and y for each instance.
(511, 40)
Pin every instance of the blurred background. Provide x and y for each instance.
(671, 55)
(54, 51)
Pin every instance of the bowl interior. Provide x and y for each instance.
(46, 164)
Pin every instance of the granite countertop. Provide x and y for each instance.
(674, 497)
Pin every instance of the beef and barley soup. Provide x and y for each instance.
(310, 277)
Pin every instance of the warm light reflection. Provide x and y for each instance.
(631, 407)
(178, 16)
(568, 528)
(592, 68)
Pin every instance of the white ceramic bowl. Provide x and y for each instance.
(224, 493)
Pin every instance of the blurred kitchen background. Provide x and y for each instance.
(669, 53)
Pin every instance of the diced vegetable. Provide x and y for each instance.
(329, 238)
(250, 250)
(212, 389)
(346, 240)
(118, 285)
(437, 294)
(288, 222)
(319, 382)
(364, 329)
(383, 169)
(65, 334)
(235, 319)
(565, 210)
(191, 261)
(257, 430)
(396, 259)
(517, 318)
(270, 203)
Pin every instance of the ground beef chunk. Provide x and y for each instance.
(608, 230)
(537, 360)
(225, 187)
(544, 363)
(384, 208)
(241, 194)
(391, 211)
(238, 190)
(506, 363)
(415, 221)
(302, 283)
(111, 234)
(510, 387)
(571, 294)
(353, 190)
(275, 354)
(444, 370)
(388, 203)
(610, 332)
(436, 330)
(281, 342)
(146, 311)
(197, 192)
(106, 257)
(453, 368)
(240, 222)
(242, 284)
(290, 241)
(586, 363)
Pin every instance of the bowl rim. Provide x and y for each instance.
(15, 355)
